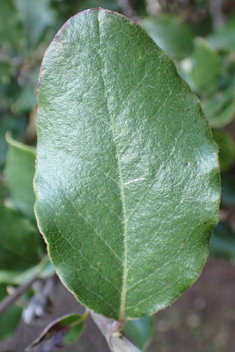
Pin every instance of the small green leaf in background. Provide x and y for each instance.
(223, 242)
(27, 98)
(127, 185)
(43, 270)
(36, 16)
(228, 190)
(25, 101)
(226, 149)
(18, 234)
(3, 191)
(19, 172)
(12, 262)
(17, 126)
(223, 38)
(220, 107)
(10, 27)
(218, 115)
(172, 35)
(58, 334)
(5, 71)
(140, 331)
(10, 319)
(207, 67)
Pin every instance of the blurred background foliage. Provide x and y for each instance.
(199, 35)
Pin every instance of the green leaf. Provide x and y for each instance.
(127, 184)
(25, 101)
(17, 127)
(12, 262)
(207, 67)
(228, 190)
(223, 242)
(18, 234)
(19, 172)
(36, 17)
(140, 331)
(5, 71)
(172, 35)
(223, 38)
(59, 334)
(43, 270)
(10, 28)
(226, 149)
(10, 319)
(219, 113)
(3, 191)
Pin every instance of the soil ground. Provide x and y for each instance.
(201, 320)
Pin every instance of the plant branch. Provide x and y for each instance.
(9, 300)
(113, 335)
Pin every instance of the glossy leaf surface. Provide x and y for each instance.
(59, 334)
(127, 181)
(172, 35)
(20, 161)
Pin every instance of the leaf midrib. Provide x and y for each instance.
(125, 272)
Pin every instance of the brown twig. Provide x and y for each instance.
(9, 300)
